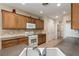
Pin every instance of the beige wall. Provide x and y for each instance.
(49, 29)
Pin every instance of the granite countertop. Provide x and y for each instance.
(6, 36)
(12, 36)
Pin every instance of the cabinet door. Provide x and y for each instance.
(44, 38)
(42, 24)
(41, 39)
(29, 20)
(33, 20)
(21, 21)
(23, 40)
(8, 20)
(9, 43)
(39, 24)
(75, 16)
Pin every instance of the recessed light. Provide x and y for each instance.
(58, 5)
(56, 16)
(41, 12)
(23, 3)
(64, 12)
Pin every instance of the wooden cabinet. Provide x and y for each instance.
(16, 21)
(39, 24)
(13, 21)
(41, 39)
(13, 42)
(9, 20)
(21, 21)
(75, 16)
(30, 20)
(9, 43)
(23, 40)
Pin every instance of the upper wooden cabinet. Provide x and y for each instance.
(13, 21)
(75, 16)
(39, 24)
(17, 21)
(21, 21)
(9, 20)
(30, 20)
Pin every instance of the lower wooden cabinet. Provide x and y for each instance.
(13, 42)
(41, 39)
(9, 43)
(23, 40)
(39, 24)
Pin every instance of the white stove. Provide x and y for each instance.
(32, 39)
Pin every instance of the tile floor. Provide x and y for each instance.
(51, 43)
(16, 50)
(69, 46)
(12, 51)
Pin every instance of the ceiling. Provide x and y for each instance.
(50, 10)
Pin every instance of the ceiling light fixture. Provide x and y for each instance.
(23, 3)
(58, 5)
(64, 12)
(41, 12)
(56, 16)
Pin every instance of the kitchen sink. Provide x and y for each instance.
(49, 52)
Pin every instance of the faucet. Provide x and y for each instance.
(43, 53)
(37, 50)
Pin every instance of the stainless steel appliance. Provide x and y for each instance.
(30, 25)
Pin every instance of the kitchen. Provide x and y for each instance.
(23, 25)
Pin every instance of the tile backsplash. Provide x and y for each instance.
(10, 32)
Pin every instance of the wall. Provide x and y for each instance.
(50, 29)
(68, 32)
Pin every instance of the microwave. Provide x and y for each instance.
(30, 25)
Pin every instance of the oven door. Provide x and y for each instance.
(33, 40)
